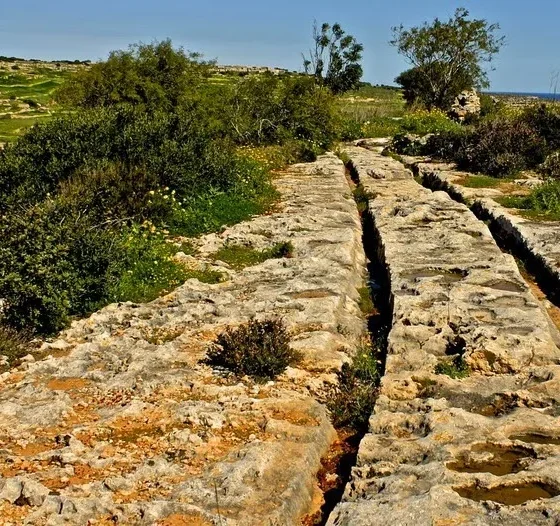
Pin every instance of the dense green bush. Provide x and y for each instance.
(489, 106)
(174, 149)
(56, 264)
(260, 349)
(156, 76)
(445, 145)
(546, 121)
(551, 166)
(501, 147)
(51, 265)
(149, 142)
(545, 198)
(268, 109)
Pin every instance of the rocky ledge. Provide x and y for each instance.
(123, 424)
(538, 241)
(466, 429)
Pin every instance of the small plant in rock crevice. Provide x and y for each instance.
(362, 198)
(13, 346)
(366, 303)
(457, 368)
(351, 401)
(259, 349)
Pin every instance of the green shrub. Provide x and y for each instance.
(174, 150)
(546, 121)
(259, 349)
(445, 145)
(14, 345)
(490, 106)
(56, 264)
(501, 147)
(52, 266)
(551, 166)
(545, 198)
(351, 401)
(406, 144)
(156, 76)
(268, 109)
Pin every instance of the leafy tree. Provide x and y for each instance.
(335, 60)
(447, 57)
(417, 87)
(152, 75)
(267, 109)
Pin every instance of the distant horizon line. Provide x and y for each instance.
(389, 85)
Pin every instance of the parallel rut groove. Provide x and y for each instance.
(454, 448)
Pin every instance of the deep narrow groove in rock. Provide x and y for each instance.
(455, 294)
(537, 271)
(345, 452)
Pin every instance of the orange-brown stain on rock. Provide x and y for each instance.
(35, 448)
(83, 474)
(67, 384)
(184, 520)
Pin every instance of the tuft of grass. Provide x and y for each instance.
(259, 349)
(366, 303)
(239, 256)
(343, 156)
(482, 181)
(351, 401)
(393, 155)
(456, 368)
(362, 197)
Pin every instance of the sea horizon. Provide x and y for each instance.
(546, 96)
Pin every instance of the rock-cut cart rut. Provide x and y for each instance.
(120, 421)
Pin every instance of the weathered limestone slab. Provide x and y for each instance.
(443, 451)
(539, 239)
(124, 424)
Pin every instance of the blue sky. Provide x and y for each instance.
(274, 33)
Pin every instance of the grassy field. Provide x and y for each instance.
(371, 102)
(376, 109)
(26, 95)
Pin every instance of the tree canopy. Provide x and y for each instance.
(446, 57)
(335, 59)
(153, 75)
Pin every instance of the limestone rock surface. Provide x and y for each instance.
(122, 422)
(481, 448)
